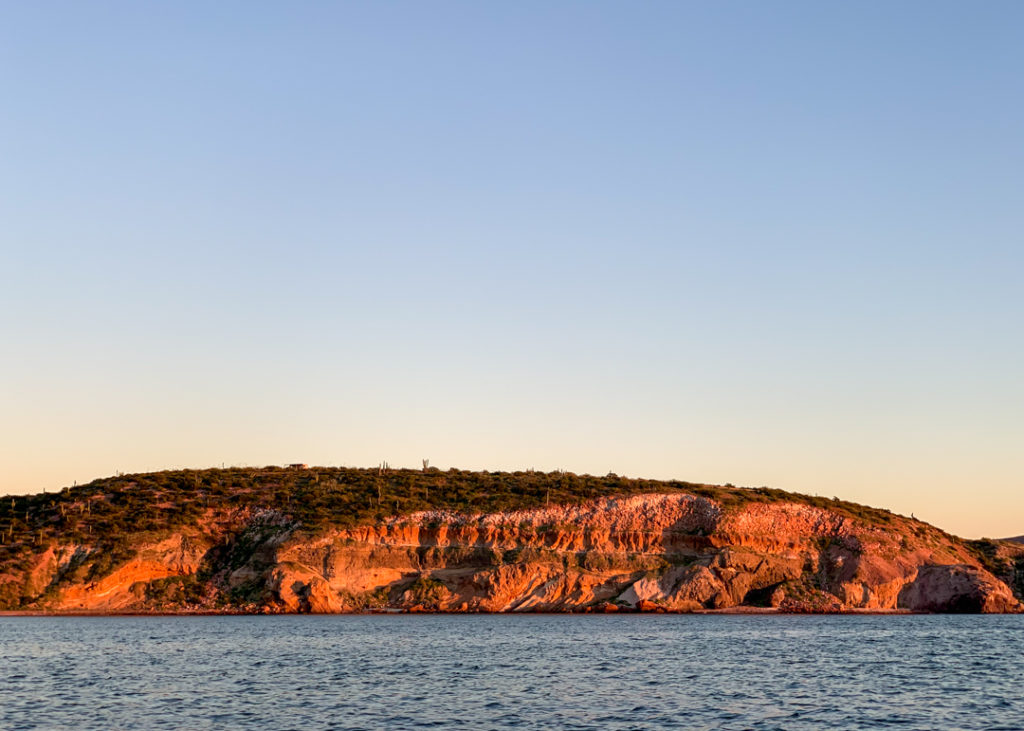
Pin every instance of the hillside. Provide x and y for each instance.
(329, 539)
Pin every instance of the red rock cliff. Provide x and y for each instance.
(649, 552)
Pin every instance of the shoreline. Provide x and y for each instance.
(731, 611)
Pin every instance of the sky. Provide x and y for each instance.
(749, 243)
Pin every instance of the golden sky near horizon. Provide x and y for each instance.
(779, 247)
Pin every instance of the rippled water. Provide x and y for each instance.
(533, 671)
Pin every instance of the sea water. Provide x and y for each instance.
(522, 671)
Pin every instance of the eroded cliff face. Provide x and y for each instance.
(648, 552)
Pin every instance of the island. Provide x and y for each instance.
(307, 539)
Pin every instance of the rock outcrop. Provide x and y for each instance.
(674, 552)
(957, 588)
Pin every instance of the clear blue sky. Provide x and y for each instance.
(757, 243)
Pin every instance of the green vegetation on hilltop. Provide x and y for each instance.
(105, 511)
(312, 497)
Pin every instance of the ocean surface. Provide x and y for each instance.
(531, 671)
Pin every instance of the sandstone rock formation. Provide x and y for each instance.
(672, 551)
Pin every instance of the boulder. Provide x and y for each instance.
(958, 588)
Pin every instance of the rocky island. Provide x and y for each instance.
(332, 539)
